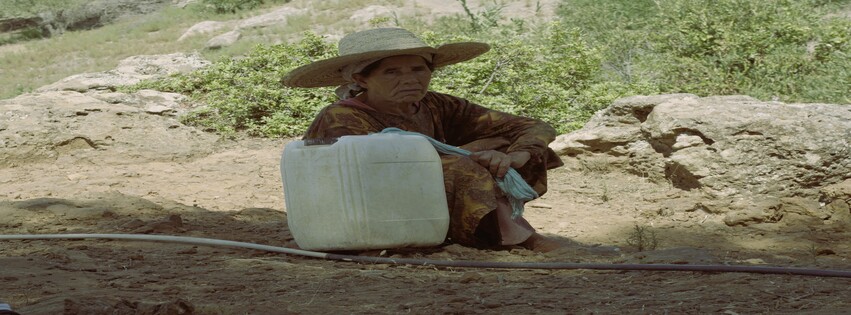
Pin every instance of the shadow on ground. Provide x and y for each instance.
(128, 277)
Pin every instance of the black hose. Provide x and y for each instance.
(446, 263)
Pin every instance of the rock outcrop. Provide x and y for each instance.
(86, 16)
(82, 117)
(130, 71)
(67, 124)
(726, 146)
(278, 17)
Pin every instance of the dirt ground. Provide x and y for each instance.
(236, 194)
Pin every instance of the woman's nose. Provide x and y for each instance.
(410, 77)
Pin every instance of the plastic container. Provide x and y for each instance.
(365, 192)
(5, 309)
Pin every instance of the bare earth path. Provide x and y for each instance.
(235, 193)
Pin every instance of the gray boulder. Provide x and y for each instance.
(130, 71)
(279, 16)
(204, 27)
(223, 40)
(61, 125)
(725, 146)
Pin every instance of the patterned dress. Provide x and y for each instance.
(471, 191)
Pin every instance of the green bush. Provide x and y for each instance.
(27, 8)
(563, 73)
(231, 6)
(769, 49)
(246, 94)
(546, 76)
(557, 72)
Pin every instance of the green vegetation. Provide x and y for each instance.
(769, 49)
(25, 8)
(561, 72)
(232, 6)
(27, 65)
(245, 94)
(642, 238)
(557, 69)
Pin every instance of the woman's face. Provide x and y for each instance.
(397, 80)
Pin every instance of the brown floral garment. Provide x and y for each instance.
(471, 191)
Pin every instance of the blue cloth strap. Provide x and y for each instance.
(513, 185)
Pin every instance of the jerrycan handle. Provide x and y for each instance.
(320, 141)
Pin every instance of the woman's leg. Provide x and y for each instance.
(480, 215)
(499, 228)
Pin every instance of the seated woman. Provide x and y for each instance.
(383, 77)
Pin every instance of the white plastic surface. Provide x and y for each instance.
(365, 192)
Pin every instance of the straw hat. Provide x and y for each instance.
(377, 43)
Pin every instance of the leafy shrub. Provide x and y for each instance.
(545, 76)
(598, 18)
(555, 73)
(231, 6)
(755, 47)
(643, 238)
(616, 28)
(27, 8)
(769, 49)
(246, 94)
(556, 70)
(25, 34)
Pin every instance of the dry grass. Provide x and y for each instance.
(18, 8)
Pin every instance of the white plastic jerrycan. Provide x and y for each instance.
(365, 192)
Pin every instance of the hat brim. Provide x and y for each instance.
(328, 72)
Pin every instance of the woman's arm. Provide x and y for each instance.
(464, 122)
(498, 163)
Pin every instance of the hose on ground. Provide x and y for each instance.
(440, 263)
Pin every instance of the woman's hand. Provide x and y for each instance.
(498, 163)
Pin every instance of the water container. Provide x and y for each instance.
(365, 192)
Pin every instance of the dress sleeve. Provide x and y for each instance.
(465, 122)
(335, 121)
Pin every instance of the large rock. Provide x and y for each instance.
(204, 27)
(130, 71)
(837, 199)
(81, 118)
(725, 146)
(65, 124)
(223, 40)
(277, 17)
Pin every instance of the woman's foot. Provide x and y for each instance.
(541, 244)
